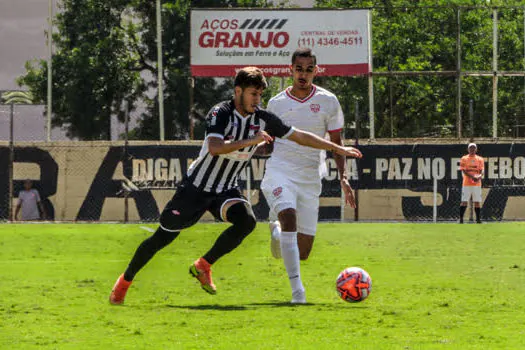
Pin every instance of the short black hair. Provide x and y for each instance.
(250, 77)
(304, 52)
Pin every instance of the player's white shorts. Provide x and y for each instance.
(468, 191)
(282, 193)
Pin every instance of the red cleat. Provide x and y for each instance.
(201, 270)
(119, 291)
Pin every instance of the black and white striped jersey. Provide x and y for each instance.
(219, 173)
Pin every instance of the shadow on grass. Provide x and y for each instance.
(318, 306)
(209, 307)
(252, 306)
(280, 304)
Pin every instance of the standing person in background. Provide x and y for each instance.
(292, 181)
(29, 201)
(472, 166)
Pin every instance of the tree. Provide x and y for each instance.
(94, 67)
(412, 36)
(176, 43)
(106, 53)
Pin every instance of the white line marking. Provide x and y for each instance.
(149, 229)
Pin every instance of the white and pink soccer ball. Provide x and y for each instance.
(354, 284)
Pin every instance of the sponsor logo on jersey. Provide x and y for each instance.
(277, 192)
(315, 107)
(255, 127)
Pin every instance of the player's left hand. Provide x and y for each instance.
(349, 193)
(349, 152)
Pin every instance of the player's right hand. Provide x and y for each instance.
(349, 152)
(262, 136)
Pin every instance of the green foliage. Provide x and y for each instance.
(435, 286)
(106, 53)
(94, 67)
(422, 37)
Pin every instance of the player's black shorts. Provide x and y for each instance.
(189, 204)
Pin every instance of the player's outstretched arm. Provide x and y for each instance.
(217, 146)
(308, 139)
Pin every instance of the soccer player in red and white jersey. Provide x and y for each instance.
(292, 181)
(472, 166)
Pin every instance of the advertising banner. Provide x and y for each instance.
(225, 40)
(91, 182)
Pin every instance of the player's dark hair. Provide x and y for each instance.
(250, 77)
(304, 52)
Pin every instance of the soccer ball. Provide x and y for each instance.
(354, 284)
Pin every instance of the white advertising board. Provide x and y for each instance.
(225, 40)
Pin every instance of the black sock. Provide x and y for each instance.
(243, 224)
(462, 210)
(478, 214)
(147, 250)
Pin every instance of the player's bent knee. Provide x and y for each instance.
(287, 214)
(241, 214)
(288, 219)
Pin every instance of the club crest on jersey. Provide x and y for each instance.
(277, 192)
(315, 107)
(213, 120)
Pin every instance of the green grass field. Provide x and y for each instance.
(434, 286)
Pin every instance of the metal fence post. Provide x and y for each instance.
(495, 73)
(49, 69)
(160, 71)
(11, 161)
(458, 77)
(125, 156)
(371, 81)
(356, 189)
(192, 102)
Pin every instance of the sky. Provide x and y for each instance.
(22, 38)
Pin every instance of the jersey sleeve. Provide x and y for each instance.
(276, 127)
(481, 164)
(336, 120)
(37, 196)
(216, 122)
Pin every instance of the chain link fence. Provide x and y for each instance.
(115, 181)
(445, 83)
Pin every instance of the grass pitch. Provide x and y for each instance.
(434, 286)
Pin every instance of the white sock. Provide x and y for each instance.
(276, 233)
(290, 254)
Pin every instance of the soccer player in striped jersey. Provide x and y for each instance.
(234, 129)
(292, 181)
